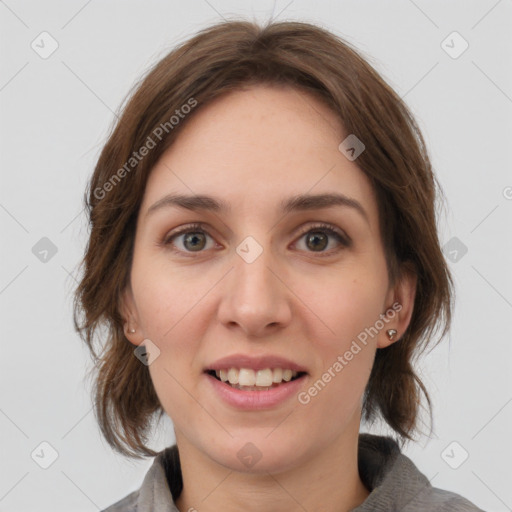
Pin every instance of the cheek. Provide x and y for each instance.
(168, 308)
(347, 307)
(346, 351)
(165, 297)
(344, 305)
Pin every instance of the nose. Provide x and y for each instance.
(255, 296)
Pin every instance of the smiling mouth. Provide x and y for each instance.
(247, 379)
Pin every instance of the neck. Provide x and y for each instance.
(328, 481)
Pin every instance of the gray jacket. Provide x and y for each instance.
(395, 483)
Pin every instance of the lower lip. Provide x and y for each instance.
(256, 400)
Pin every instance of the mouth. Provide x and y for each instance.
(247, 379)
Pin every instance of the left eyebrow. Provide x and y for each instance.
(301, 202)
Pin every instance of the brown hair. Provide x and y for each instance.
(224, 58)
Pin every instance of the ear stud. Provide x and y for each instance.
(391, 334)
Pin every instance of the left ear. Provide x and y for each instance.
(399, 306)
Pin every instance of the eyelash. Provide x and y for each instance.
(199, 228)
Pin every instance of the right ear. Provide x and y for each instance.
(129, 315)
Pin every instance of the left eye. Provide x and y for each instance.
(194, 238)
(317, 237)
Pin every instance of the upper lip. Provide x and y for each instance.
(255, 363)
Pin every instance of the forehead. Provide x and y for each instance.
(256, 147)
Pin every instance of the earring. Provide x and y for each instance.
(391, 334)
(132, 330)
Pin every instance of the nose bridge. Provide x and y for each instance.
(253, 281)
(255, 298)
(252, 269)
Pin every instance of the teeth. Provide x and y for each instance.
(250, 388)
(278, 375)
(247, 378)
(264, 378)
(233, 376)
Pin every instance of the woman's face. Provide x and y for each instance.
(267, 280)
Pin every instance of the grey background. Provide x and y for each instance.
(55, 115)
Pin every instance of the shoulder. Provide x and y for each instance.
(127, 504)
(439, 500)
(396, 483)
(420, 495)
(154, 495)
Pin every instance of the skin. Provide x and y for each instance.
(252, 149)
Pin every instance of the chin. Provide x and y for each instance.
(258, 454)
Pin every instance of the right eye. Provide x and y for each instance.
(193, 239)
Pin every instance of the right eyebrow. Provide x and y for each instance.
(189, 202)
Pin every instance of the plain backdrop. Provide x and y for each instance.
(56, 111)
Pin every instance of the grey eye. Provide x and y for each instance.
(194, 241)
(317, 240)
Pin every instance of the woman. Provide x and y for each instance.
(264, 255)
